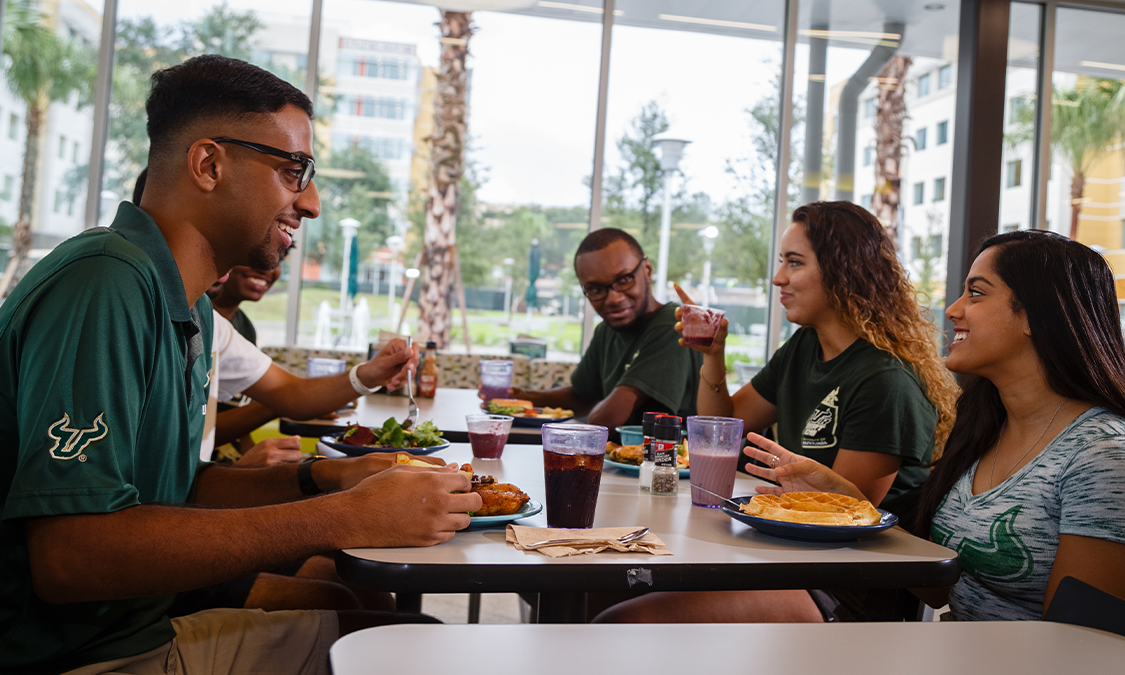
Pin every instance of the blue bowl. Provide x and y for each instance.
(633, 434)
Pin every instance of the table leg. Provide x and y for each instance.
(409, 602)
(562, 608)
(474, 607)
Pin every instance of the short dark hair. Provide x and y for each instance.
(139, 187)
(599, 239)
(212, 86)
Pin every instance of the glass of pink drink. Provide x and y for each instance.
(701, 324)
(495, 378)
(714, 444)
(488, 434)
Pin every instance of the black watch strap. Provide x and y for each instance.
(305, 478)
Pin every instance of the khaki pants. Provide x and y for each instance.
(243, 641)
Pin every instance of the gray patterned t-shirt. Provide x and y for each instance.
(1006, 537)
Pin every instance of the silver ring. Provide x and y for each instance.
(774, 460)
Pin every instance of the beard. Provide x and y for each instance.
(265, 256)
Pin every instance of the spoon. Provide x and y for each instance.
(623, 539)
(714, 494)
(412, 411)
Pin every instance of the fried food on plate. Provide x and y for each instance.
(624, 454)
(813, 508)
(499, 499)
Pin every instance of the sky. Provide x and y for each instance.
(534, 89)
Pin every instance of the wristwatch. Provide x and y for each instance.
(305, 478)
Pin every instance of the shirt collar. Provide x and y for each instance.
(140, 230)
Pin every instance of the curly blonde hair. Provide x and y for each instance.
(870, 293)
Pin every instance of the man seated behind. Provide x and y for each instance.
(106, 352)
(634, 363)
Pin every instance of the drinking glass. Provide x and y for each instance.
(572, 470)
(714, 444)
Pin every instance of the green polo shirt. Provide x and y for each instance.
(103, 390)
(648, 357)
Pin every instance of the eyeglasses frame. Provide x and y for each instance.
(308, 164)
(628, 277)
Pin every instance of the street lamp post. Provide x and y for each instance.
(394, 243)
(351, 226)
(671, 150)
(508, 262)
(708, 235)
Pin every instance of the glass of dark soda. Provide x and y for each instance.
(572, 470)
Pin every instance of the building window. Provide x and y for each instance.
(920, 139)
(927, 247)
(865, 201)
(919, 193)
(1015, 171)
(60, 197)
(62, 147)
(924, 85)
(943, 132)
(944, 77)
(6, 193)
(868, 152)
(382, 67)
(382, 107)
(13, 125)
(869, 108)
(939, 189)
(76, 152)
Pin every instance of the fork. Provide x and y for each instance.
(412, 411)
(624, 539)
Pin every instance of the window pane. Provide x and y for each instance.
(530, 108)
(665, 82)
(1020, 86)
(61, 113)
(875, 82)
(153, 35)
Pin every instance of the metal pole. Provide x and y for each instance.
(103, 88)
(1044, 94)
(297, 255)
(665, 235)
(781, 194)
(599, 155)
(391, 300)
(814, 115)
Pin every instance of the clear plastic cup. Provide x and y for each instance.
(495, 378)
(488, 434)
(714, 444)
(572, 470)
(319, 367)
(701, 325)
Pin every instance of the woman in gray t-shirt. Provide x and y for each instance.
(1031, 488)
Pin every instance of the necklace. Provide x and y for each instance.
(992, 473)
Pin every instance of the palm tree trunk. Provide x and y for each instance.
(890, 114)
(446, 169)
(1077, 187)
(21, 233)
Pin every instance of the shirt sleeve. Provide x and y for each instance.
(662, 368)
(241, 363)
(890, 414)
(87, 345)
(1091, 490)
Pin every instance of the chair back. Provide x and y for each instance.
(1080, 604)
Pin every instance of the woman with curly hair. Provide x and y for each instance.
(859, 387)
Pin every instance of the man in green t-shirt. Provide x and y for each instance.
(634, 363)
(104, 357)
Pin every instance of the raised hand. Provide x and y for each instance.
(388, 367)
(719, 345)
(794, 472)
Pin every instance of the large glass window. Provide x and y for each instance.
(50, 59)
(529, 107)
(1019, 91)
(671, 77)
(867, 78)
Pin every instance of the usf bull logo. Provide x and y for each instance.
(71, 442)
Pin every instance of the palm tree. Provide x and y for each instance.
(1086, 122)
(42, 68)
(889, 117)
(446, 168)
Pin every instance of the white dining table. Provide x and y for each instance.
(711, 551)
(447, 410)
(945, 648)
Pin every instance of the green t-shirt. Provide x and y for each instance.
(103, 369)
(648, 357)
(864, 400)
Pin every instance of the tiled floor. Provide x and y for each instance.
(495, 608)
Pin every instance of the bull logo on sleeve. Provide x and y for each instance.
(73, 441)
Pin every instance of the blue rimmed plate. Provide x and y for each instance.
(529, 509)
(635, 470)
(803, 532)
(360, 450)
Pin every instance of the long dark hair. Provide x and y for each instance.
(871, 294)
(1067, 292)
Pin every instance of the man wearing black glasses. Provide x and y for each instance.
(104, 361)
(634, 363)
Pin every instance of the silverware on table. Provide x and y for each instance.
(714, 494)
(412, 411)
(623, 539)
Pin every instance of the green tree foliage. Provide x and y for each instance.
(634, 193)
(353, 185)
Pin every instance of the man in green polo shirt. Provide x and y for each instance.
(634, 363)
(104, 355)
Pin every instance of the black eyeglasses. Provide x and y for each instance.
(597, 292)
(308, 165)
